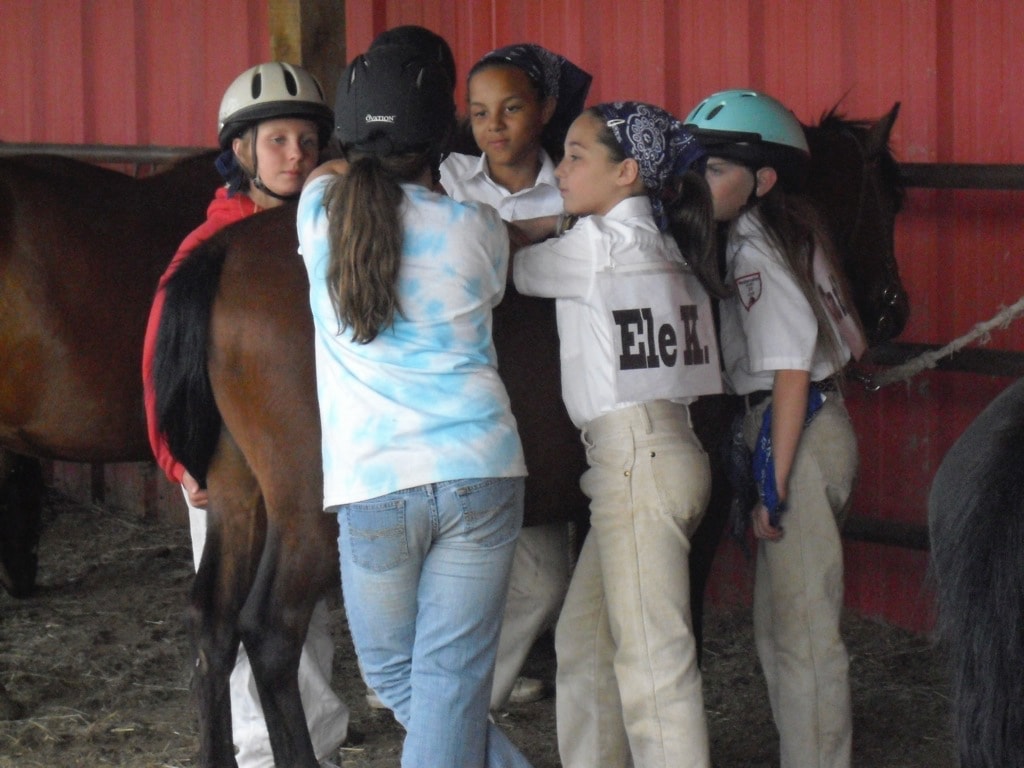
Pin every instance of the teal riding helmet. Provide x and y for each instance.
(754, 129)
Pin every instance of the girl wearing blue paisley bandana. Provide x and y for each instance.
(637, 346)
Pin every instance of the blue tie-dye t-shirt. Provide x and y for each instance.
(422, 402)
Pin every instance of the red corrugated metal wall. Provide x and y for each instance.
(951, 64)
(129, 72)
(117, 71)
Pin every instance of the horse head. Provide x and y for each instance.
(856, 181)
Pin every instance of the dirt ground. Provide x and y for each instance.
(99, 660)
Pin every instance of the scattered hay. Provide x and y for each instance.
(99, 660)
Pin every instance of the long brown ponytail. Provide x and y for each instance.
(365, 231)
(691, 221)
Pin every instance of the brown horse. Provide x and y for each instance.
(237, 396)
(81, 249)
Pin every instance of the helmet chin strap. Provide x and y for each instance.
(257, 181)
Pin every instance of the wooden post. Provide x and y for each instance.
(310, 33)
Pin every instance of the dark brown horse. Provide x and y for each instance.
(857, 206)
(237, 396)
(81, 249)
(976, 531)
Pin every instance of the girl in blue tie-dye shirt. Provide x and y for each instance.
(422, 459)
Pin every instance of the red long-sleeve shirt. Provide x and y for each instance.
(223, 210)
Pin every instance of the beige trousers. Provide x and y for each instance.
(798, 596)
(628, 687)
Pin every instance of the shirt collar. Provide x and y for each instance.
(631, 208)
(480, 171)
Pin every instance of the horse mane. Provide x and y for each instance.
(835, 122)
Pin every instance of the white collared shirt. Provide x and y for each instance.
(768, 325)
(467, 178)
(568, 269)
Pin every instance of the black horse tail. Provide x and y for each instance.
(976, 525)
(186, 410)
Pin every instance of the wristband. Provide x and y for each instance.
(565, 223)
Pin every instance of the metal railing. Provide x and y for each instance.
(987, 362)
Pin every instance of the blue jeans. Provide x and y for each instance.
(424, 573)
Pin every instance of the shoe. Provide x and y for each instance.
(527, 690)
(373, 700)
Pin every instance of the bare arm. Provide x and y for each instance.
(335, 167)
(532, 230)
(526, 232)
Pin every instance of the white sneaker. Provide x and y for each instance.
(527, 690)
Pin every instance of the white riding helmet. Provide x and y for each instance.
(272, 90)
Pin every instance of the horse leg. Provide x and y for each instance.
(712, 420)
(234, 537)
(296, 568)
(21, 505)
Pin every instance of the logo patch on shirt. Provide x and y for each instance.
(749, 289)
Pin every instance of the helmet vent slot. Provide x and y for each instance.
(290, 84)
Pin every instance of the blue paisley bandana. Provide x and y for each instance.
(764, 457)
(660, 144)
(555, 77)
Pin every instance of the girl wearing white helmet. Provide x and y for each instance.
(422, 460)
(787, 333)
(272, 124)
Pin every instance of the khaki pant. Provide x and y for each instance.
(798, 596)
(628, 686)
(536, 589)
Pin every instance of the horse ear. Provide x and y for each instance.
(878, 138)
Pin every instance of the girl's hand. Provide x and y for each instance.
(197, 496)
(335, 167)
(762, 528)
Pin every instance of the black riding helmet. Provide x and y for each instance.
(429, 43)
(394, 100)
